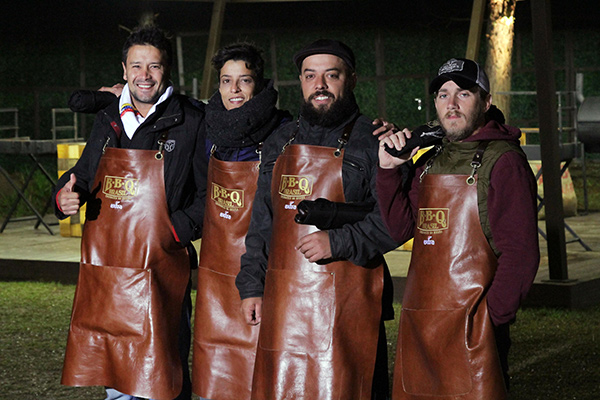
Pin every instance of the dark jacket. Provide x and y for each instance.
(185, 165)
(361, 242)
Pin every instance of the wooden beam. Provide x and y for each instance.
(475, 29)
(214, 38)
(379, 72)
(549, 140)
(245, 1)
(180, 72)
(274, 1)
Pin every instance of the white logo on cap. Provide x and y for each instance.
(452, 65)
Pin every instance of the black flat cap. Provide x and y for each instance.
(326, 46)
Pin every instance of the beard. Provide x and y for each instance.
(147, 98)
(329, 117)
(152, 99)
(473, 121)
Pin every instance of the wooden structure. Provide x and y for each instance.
(547, 115)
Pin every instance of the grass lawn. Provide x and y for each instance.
(555, 353)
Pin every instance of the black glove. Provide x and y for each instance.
(325, 214)
(423, 136)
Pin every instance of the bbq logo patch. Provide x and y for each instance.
(120, 188)
(229, 199)
(295, 187)
(433, 220)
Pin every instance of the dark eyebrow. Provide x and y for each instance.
(327, 70)
(241, 76)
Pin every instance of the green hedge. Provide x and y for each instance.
(42, 73)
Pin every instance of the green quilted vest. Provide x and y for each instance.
(456, 158)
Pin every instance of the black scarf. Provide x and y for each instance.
(245, 126)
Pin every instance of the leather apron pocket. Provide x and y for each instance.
(112, 301)
(434, 353)
(306, 327)
(226, 327)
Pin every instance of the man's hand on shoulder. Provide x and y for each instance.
(115, 89)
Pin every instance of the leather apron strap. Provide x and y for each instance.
(132, 281)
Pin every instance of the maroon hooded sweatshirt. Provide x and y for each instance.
(512, 213)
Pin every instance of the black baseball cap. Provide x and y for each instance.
(326, 46)
(465, 73)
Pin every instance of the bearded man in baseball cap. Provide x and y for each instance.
(471, 204)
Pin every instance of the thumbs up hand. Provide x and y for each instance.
(68, 200)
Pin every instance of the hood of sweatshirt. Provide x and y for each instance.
(494, 130)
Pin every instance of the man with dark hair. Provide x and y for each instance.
(152, 37)
(143, 177)
(471, 203)
(320, 296)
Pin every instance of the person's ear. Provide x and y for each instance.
(488, 102)
(353, 80)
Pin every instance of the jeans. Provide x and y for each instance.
(114, 394)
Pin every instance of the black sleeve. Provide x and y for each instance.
(251, 278)
(188, 221)
(362, 241)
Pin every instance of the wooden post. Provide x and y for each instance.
(498, 65)
(180, 73)
(274, 70)
(475, 29)
(549, 141)
(379, 76)
(36, 115)
(214, 38)
(82, 83)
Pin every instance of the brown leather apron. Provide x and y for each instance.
(224, 345)
(446, 346)
(320, 323)
(132, 281)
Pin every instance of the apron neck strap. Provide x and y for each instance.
(161, 145)
(343, 140)
(476, 162)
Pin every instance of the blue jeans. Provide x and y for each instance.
(114, 394)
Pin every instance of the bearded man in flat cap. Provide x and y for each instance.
(320, 296)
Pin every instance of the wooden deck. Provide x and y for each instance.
(33, 254)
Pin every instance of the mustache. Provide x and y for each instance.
(321, 93)
(454, 113)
